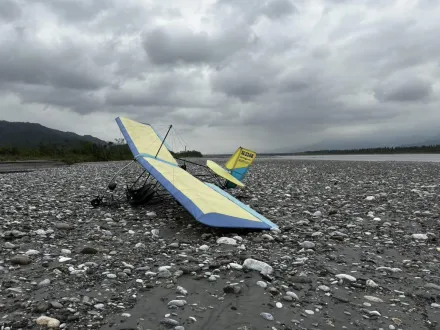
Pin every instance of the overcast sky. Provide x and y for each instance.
(261, 74)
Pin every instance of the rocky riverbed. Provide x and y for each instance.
(358, 248)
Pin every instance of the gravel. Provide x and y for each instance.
(357, 248)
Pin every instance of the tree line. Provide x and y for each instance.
(381, 150)
(83, 151)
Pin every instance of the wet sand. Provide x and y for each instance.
(357, 249)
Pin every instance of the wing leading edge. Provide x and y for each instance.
(143, 140)
(208, 204)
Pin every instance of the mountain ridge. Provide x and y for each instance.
(29, 135)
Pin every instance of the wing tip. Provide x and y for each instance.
(223, 221)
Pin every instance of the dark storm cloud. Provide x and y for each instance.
(243, 87)
(277, 9)
(66, 98)
(182, 46)
(245, 78)
(405, 91)
(23, 59)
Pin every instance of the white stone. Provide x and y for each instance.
(258, 265)
(177, 302)
(235, 266)
(347, 277)
(373, 299)
(226, 240)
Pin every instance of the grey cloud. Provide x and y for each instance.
(150, 99)
(113, 16)
(76, 10)
(249, 11)
(245, 85)
(24, 60)
(245, 78)
(9, 11)
(298, 80)
(173, 89)
(165, 46)
(405, 91)
(391, 46)
(277, 9)
(80, 102)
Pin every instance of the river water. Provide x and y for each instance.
(369, 158)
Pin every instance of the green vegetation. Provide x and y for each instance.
(187, 154)
(429, 149)
(82, 152)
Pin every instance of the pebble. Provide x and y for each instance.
(307, 245)
(9, 245)
(346, 277)
(258, 265)
(89, 250)
(181, 290)
(292, 294)
(371, 284)
(324, 288)
(32, 252)
(226, 240)
(20, 260)
(267, 316)
(317, 214)
(63, 226)
(49, 322)
(44, 283)
(420, 236)
(373, 299)
(235, 266)
(178, 303)
(169, 321)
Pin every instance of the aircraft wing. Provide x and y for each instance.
(207, 203)
(220, 171)
(143, 140)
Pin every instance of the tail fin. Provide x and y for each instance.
(239, 164)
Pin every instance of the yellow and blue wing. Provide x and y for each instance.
(143, 140)
(220, 171)
(207, 203)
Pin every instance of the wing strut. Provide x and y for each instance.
(163, 141)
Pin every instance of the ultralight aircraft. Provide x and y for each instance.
(207, 202)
